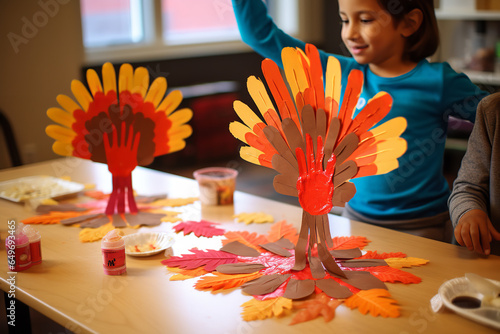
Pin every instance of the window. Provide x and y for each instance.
(128, 30)
(211, 21)
(111, 22)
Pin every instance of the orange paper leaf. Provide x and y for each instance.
(321, 305)
(246, 238)
(224, 281)
(283, 230)
(349, 242)
(382, 256)
(393, 275)
(259, 310)
(183, 274)
(406, 262)
(374, 301)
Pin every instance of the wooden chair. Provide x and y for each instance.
(10, 140)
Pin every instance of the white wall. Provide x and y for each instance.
(41, 51)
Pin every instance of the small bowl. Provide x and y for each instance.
(161, 240)
(460, 287)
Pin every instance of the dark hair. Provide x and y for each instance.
(424, 42)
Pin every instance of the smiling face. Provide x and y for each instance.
(371, 36)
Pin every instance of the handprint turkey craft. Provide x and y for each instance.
(314, 143)
(123, 122)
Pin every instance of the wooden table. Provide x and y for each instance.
(71, 288)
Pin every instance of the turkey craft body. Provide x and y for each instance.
(315, 144)
(123, 128)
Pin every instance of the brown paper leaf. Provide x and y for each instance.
(346, 147)
(237, 248)
(343, 194)
(276, 249)
(44, 208)
(80, 219)
(344, 172)
(346, 253)
(297, 289)
(363, 280)
(265, 284)
(144, 218)
(239, 268)
(364, 263)
(333, 288)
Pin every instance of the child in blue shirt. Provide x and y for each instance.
(389, 44)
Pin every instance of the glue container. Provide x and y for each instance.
(113, 253)
(18, 247)
(34, 238)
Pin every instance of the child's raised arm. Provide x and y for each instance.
(258, 30)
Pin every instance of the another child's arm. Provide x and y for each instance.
(469, 202)
(475, 231)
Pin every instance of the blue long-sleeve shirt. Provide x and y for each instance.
(425, 96)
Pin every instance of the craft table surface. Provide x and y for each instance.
(71, 288)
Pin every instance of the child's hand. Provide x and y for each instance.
(475, 231)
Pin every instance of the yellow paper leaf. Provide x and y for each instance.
(261, 309)
(183, 274)
(405, 262)
(173, 202)
(95, 234)
(374, 301)
(257, 217)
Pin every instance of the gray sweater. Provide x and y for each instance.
(478, 183)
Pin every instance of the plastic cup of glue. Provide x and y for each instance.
(113, 253)
(34, 238)
(217, 185)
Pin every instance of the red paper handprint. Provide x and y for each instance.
(122, 160)
(315, 185)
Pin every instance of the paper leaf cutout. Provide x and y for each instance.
(357, 263)
(393, 275)
(383, 256)
(297, 289)
(349, 242)
(249, 239)
(283, 230)
(210, 259)
(223, 281)
(320, 305)
(237, 248)
(94, 234)
(265, 284)
(259, 310)
(333, 288)
(175, 202)
(407, 262)
(346, 253)
(239, 268)
(363, 280)
(183, 274)
(202, 228)
(257, 217)
(51, 218)
(276, 248)
(375, 301)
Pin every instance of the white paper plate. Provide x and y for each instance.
(486, 315)
(32, 187)
(161, 240)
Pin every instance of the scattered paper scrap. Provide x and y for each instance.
(202, 228)
(257, 218)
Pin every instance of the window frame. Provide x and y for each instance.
(154, 47)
